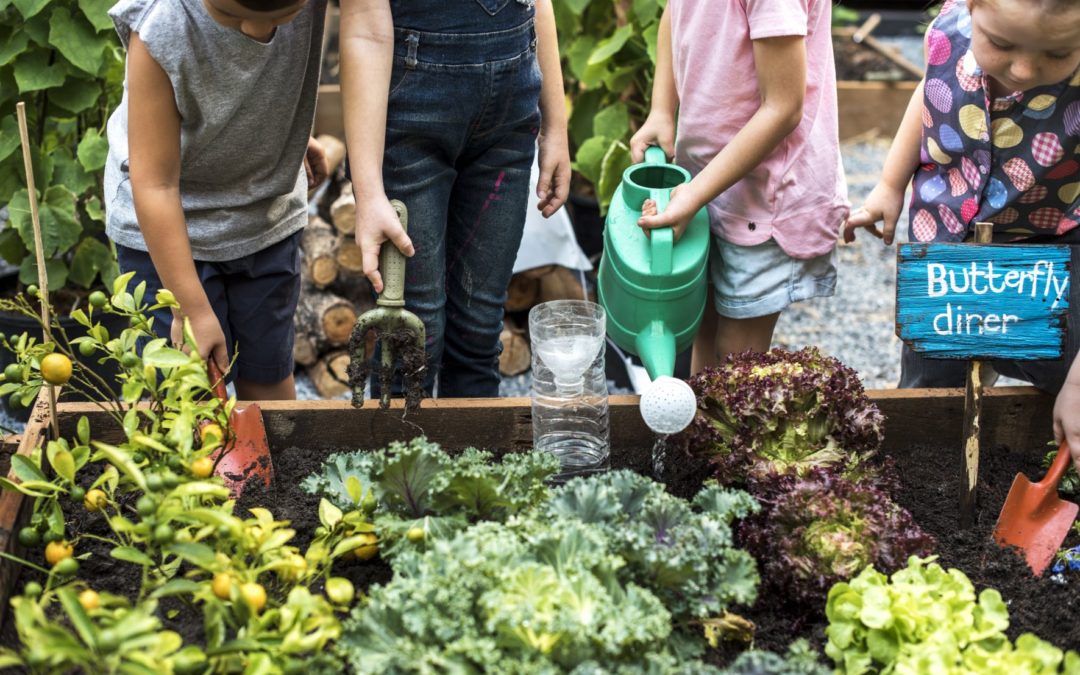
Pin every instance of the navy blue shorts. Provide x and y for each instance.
(254, 298)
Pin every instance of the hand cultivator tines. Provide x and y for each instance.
(399, 331)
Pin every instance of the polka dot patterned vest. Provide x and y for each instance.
(1012, 161)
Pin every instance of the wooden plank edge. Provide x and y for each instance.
(13, 515)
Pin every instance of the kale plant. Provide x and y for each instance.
(419, 485)
(684, 553)
(763, 414)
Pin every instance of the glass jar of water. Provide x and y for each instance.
(569, 384)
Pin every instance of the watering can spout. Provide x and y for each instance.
(656, 347)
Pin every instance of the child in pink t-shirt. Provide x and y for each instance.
(754, 87)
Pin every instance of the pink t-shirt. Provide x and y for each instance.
(797, 195)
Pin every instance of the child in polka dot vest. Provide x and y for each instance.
(993, 134)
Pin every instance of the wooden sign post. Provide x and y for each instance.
(981, 302)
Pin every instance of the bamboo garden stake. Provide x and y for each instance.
(43, 277)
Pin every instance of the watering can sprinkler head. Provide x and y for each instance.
(398, 329)
(668, 405)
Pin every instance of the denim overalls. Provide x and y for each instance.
(461, 126)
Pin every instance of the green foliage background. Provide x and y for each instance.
(64, 60)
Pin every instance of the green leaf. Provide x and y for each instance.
(25, 469)
(166, 357)
(176, 587)
(38, 30)
(199, 555)
(59, 228)
(70, 174)
(349, 543)
(132, 555)
(576, 6)
(93, 150)
(83, 625)
(97, 13)
(616, 161)
(329, 515)
(94, 210)
(34, 73)
(123, 462)
(577, 56)
(77, 94)
(613, 121)
(590, 158)
(34, 491)
(583, 114)
(77, 40)
(11, 246)
(55, 270)
(12, 44)
(646, 10)
(29, 8)
(90, 259)
(611, 45)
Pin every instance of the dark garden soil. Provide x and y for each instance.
(930, 479)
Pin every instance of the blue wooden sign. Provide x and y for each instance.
(982, 301)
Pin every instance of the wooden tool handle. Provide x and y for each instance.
(217, 379)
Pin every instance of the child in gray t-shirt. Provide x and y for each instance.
(209, 164)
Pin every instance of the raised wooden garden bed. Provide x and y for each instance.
(1016, 418)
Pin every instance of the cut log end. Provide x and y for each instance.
(343, 212)
(337, 324)
(330, 374)
(516, 356)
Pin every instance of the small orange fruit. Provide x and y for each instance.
(56, 369)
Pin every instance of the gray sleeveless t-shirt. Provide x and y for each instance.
(246, 113)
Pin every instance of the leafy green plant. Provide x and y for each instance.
(162, 509)
(611, 571)
(64, 60)
(767, 414)
(925, 619)
(417, 492)
(608, 50)
(1070, 482)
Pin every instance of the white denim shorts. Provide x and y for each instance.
(753, 281)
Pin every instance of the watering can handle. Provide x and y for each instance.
(661, 240)
(654, 154)
(1058, 467)
(392, 265)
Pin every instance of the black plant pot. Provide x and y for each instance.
(15, 324)
(588, 224)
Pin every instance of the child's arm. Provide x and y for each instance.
(154, 164)
(886, 201)
(659, 127)
(1067, 412)
(780, 64)
(554, 152)
(367, 53)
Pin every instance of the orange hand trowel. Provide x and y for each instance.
(1034, 518)
(245, 454)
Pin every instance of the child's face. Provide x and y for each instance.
(253, 23)
(1020, 46)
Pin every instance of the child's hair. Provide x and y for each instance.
(265, 5)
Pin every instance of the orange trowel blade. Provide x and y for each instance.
(1034, 518)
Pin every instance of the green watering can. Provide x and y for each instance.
(653, 288)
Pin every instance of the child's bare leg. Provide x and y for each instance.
(738, 335)
(246, 390)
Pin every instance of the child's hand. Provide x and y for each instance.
(553, 156)
(377, 222)
(884, 203)
(315, 163)
(677, 215)
(1067, 419)
(658, 129)
(206, 329)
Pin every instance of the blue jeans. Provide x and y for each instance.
(462, 120)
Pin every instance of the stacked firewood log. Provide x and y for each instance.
(335, 291)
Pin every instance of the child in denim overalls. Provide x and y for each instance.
(993, 134)
(454, 92)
